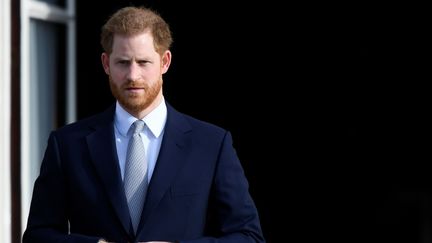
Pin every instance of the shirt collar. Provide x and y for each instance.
(155, 120)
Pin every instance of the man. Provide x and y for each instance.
(141, 171)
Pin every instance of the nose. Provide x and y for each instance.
(133, 72)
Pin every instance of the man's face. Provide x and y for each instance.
(135, 72)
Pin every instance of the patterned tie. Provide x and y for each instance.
(135, 177)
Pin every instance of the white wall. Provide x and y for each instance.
(5, 116)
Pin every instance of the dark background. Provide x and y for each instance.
(326, 105)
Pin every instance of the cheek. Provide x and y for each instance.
(116, 75)
(154, 73)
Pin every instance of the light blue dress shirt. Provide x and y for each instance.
(151, 135)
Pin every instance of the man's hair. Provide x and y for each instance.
(131, 21)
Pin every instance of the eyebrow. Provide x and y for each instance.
(128, 59)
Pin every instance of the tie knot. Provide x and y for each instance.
(137, 126)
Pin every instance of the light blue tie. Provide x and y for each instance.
(135, 178)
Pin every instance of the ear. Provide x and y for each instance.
(166, 61)
(105, 62)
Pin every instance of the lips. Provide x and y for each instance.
(135, 90)
(133, 85)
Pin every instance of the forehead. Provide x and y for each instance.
(142, 42)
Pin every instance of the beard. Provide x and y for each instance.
(135, 103)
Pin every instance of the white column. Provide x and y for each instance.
(5, 123)
(71, 63)
(26, 174)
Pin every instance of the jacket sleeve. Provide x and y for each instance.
(236, 216)
(47, 221)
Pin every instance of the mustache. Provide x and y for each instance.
(130, 84)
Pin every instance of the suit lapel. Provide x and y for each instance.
(103, 153)
(172, 155)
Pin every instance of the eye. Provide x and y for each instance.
(143, 62)
(123, 62)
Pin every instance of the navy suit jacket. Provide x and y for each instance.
(198, 191)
